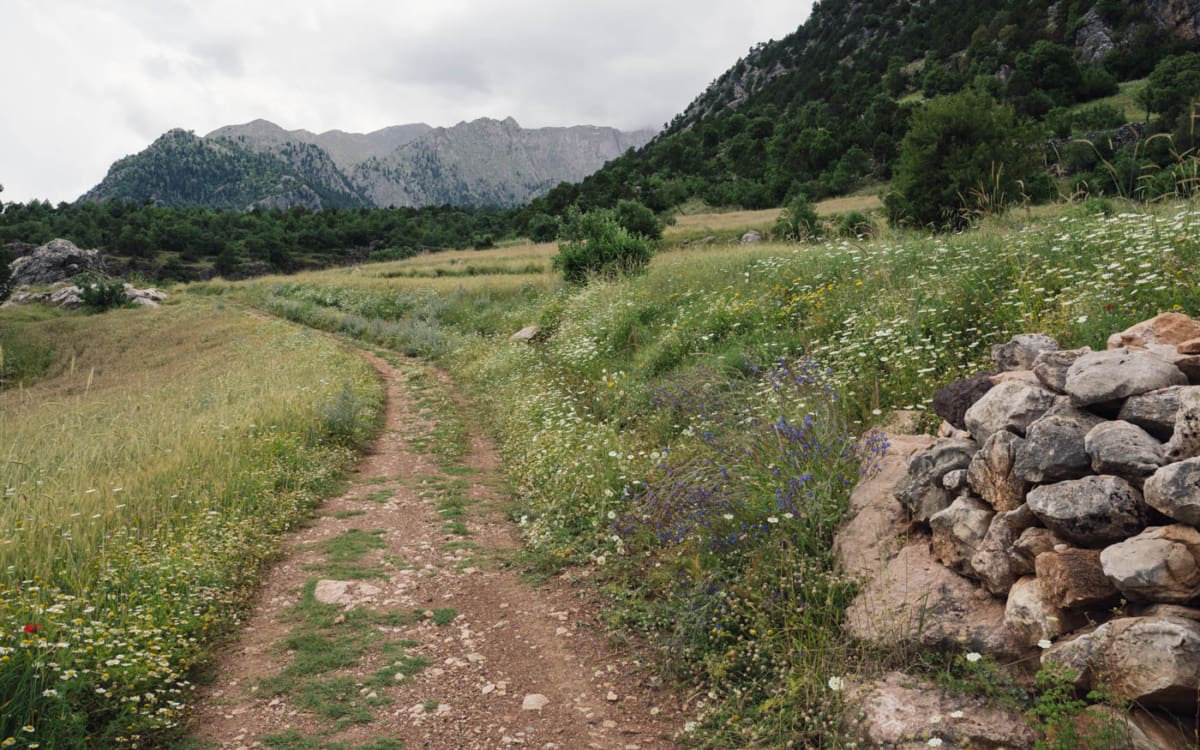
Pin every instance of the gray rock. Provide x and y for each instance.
(951, 401)
(996, 563)
(1123, 449)
(1054, 448)
(991, 473)
(921, 491)
(1051, 367)
(898, 708)
(1012, 406)
(1157, 565)
(1092, 511)
(347, 594)
(1174, 491)
(751, 238)
(1031, 616)
(1153, 662)
(57, 260)
(69, 297)
(957, 532)
(1074, 578)
(1155, 411)
(1102, 377)
(1185, 439)
(1021, 350)
(526, 335)
(956, 480)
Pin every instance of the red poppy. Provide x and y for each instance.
(32, 628)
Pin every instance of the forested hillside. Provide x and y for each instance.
(824, 109)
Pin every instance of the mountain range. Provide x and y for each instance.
(261, 165)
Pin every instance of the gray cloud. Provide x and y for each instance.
(102, 80)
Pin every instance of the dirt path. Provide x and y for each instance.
(393, 621)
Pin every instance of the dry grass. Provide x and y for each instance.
(860, 201)
(144, 418)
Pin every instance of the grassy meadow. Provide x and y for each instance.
(148, 465)
(690, 435)
(686, 438)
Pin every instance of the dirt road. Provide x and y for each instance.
(394, 620)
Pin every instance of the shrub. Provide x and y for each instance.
(964, 154)
(543, 228)
(100, 293)
(597, 245)
(799, 220)
(856, 224)
(638, 220)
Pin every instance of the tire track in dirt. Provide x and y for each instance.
(489, 642)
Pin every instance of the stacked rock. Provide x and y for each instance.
(1070, 488)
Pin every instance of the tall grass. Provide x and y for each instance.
(145, 478)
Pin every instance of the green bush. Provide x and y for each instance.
(856, 224)
(964, 155)
(639, 220)
(543, 228)
(100, 293)
(799, 220)
(597, 245)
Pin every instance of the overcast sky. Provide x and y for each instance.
(89, 81)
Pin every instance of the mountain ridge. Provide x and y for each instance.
(259, 164)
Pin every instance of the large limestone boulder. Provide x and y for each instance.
(917, 600)
(1050, 367)
(921, 491)
(1021, 351)
(1054, 447)
(1091, 512)
(1161, 564)
(1150, 661)
(897, 712)
(1174, 491)
(1123, 449)
(57, 260)
(958, 531)
(1185, 439)
(872, 534)
(1108, 376)
(1012, 405)
(1167, 328)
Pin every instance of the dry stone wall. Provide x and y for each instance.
(1054, 518)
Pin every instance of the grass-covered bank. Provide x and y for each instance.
(147, 472)
(690, 435)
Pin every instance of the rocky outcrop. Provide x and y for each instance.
(57, 260)
(70, 297)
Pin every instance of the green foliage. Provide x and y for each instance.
(1173, 88)
(598, 246)
(799, 220)
(857, 225)
(101, 293)
(543, 228)
(638, 220)
(963, 154)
